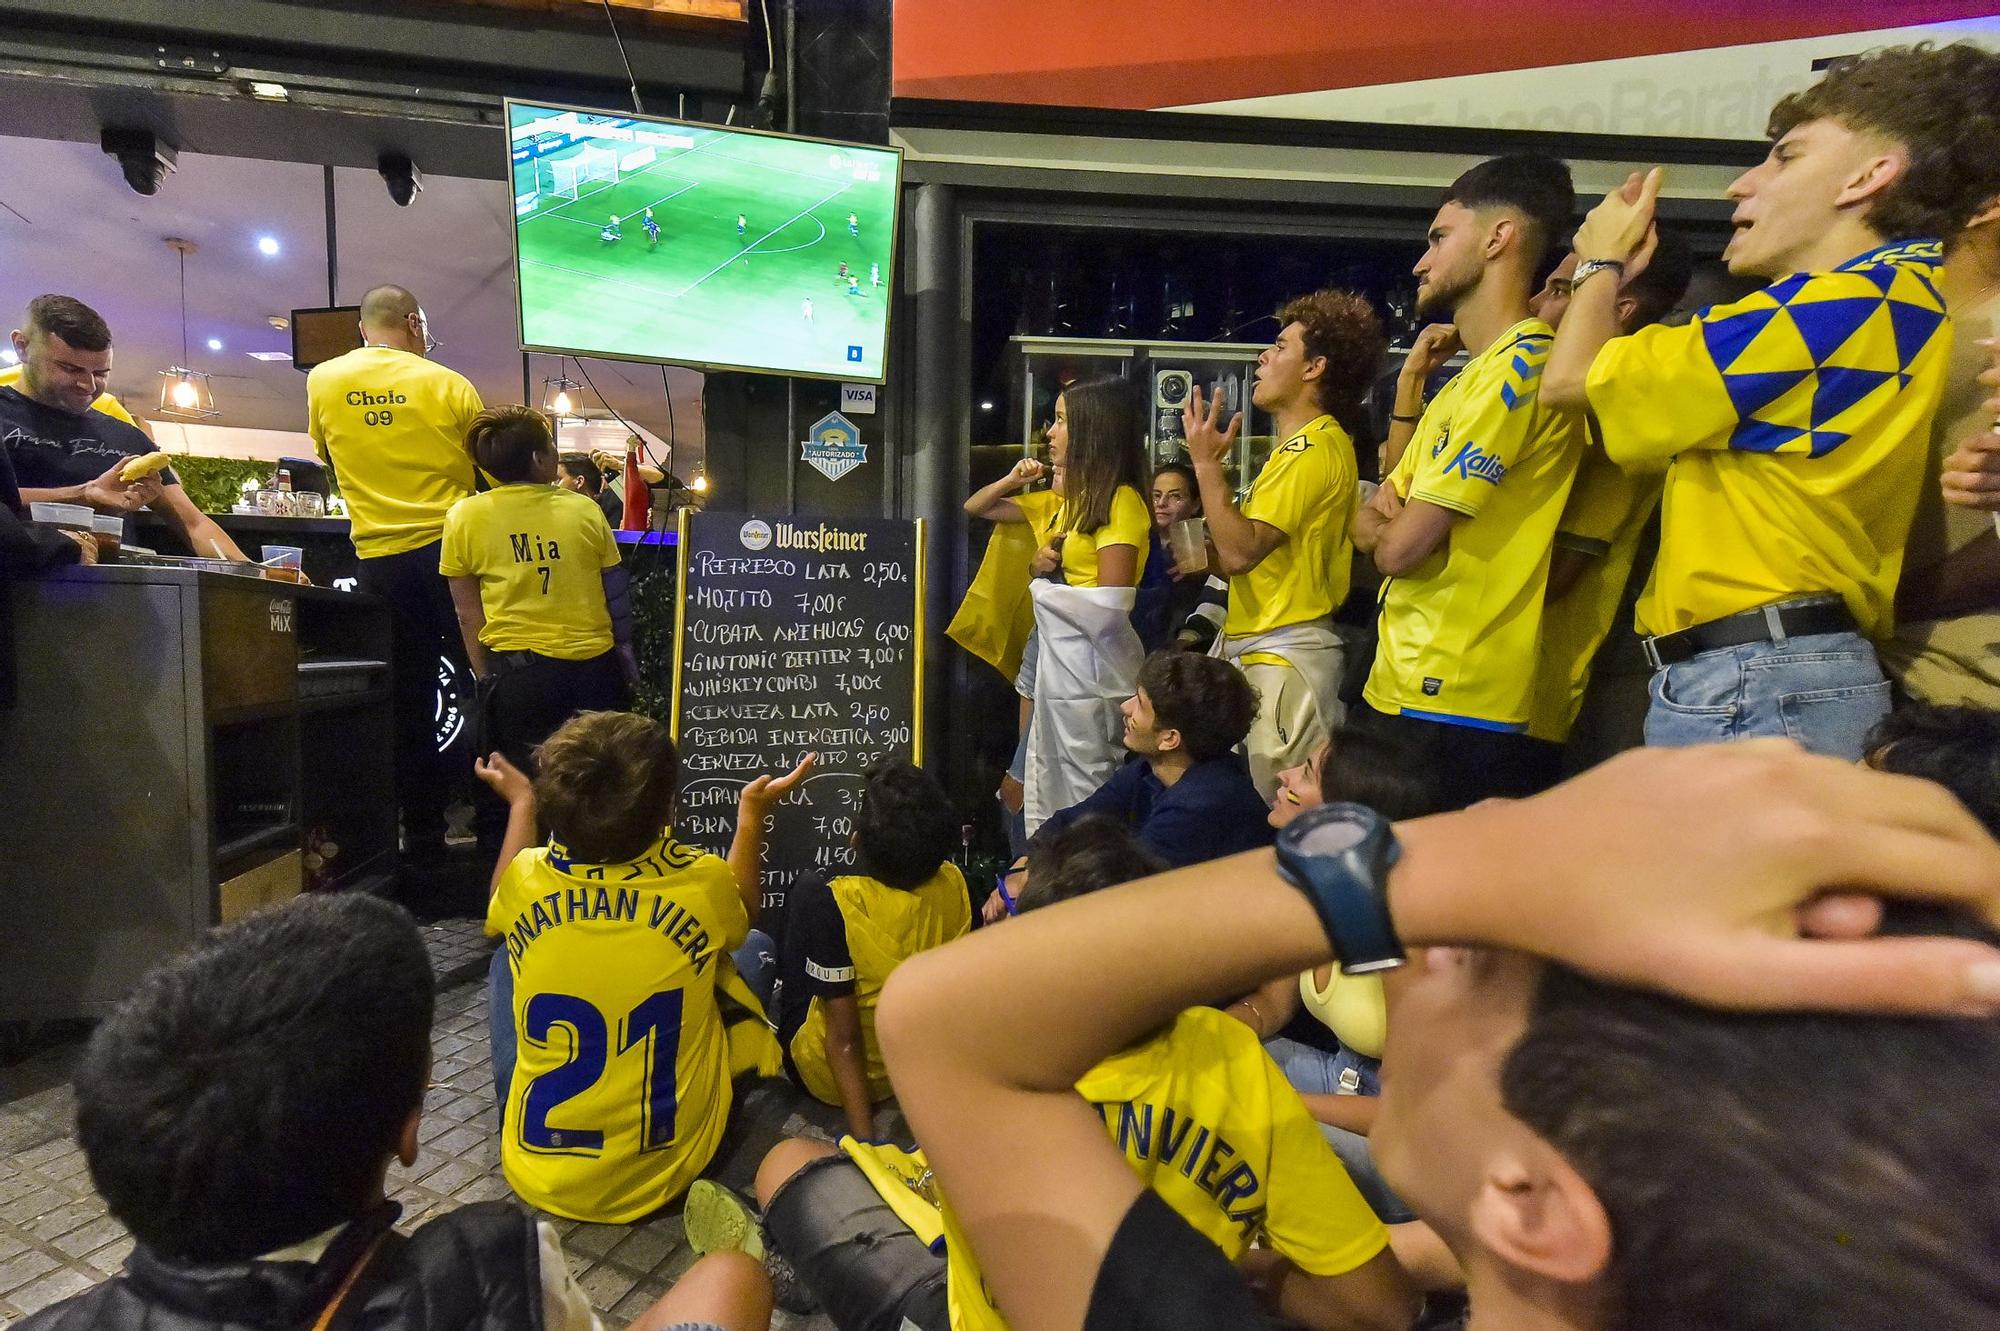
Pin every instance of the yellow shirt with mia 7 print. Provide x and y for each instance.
(1459, 632)
(1207, 1121)
(621, 1088)
(539, 552)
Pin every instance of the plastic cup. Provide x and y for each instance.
(283, 556)
(1188, 540)
(109, 529)
(70, 517)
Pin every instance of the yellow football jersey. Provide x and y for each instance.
(539, 552)
(621, 1089)
(12, 375)
(1458, 634)
(1130, 523)
(886, 926)
(1606, 514)
(1797, 421)
(1306, 490)
(392, 425)
(1209, 1122)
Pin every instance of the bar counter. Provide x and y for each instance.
(184, 747)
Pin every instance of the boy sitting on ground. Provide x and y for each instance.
(618, 937)
(845, 935)
(1186, 793)
(239, 1112)
(1202, 1114)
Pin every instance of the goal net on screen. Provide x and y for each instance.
(566, 177)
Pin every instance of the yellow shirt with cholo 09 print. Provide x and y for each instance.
(392, 426)
(1459, 632)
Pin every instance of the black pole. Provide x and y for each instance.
(938, 461)
(332, 243)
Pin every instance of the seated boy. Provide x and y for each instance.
(239, 1112)
(844, 936)
(1202, 1115)
(618, 937)
(1187, 795)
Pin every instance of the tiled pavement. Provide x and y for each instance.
(55, 1238)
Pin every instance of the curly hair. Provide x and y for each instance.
(905, 827)
(1206, 698)
(1942, 104)
(1345, 329)
(247, 1093)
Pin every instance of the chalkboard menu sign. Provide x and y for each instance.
(794, 636)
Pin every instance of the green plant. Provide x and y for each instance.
(216, 483)
(653, 608)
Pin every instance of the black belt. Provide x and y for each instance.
(1770, 623)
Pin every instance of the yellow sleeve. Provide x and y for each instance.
(1491, 428)
(732, 917)
(500, 911)
(455, 554)
(1600, 501)
(315, 428)
(1404, 473)
(1316, 1217)
(1656, 393)
(469, 406)
(1129, 523)
(1298, 480)
(1038, 508)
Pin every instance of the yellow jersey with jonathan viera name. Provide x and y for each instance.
(1459, 633)
(392, 426)
(1798, 424)
(539, 552)
(621, 1088)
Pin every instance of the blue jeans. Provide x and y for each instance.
(500, 1024)
(757, 962)
(1825, 690)
(1316, 1072)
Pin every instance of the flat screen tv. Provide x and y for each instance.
(764, 251)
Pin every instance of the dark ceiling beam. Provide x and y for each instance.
(424, 80)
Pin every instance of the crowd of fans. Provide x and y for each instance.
(1702, 1037)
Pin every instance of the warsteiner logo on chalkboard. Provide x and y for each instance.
(812, 646)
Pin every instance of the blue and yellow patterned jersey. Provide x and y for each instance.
(1797, 421)
(621, 1088)
(1458, 633)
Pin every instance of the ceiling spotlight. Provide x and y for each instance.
(279, 322)
(400, 174)
(986, 406)
(215, 344)
(141, 156)
(267, 246)
(7, 354)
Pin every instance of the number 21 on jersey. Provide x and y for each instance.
(650, 1032)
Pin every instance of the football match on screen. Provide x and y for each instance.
(696, 244)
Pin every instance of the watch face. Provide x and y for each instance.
(1333, 836)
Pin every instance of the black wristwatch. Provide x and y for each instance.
(1340, 855)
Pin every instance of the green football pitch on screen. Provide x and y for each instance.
(764, 252)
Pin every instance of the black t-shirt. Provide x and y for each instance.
(613, 503)
(1161, 1274)
(813, 960)
(53, 448)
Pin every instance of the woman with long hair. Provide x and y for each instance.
(1093, 534)
(1094, 527)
